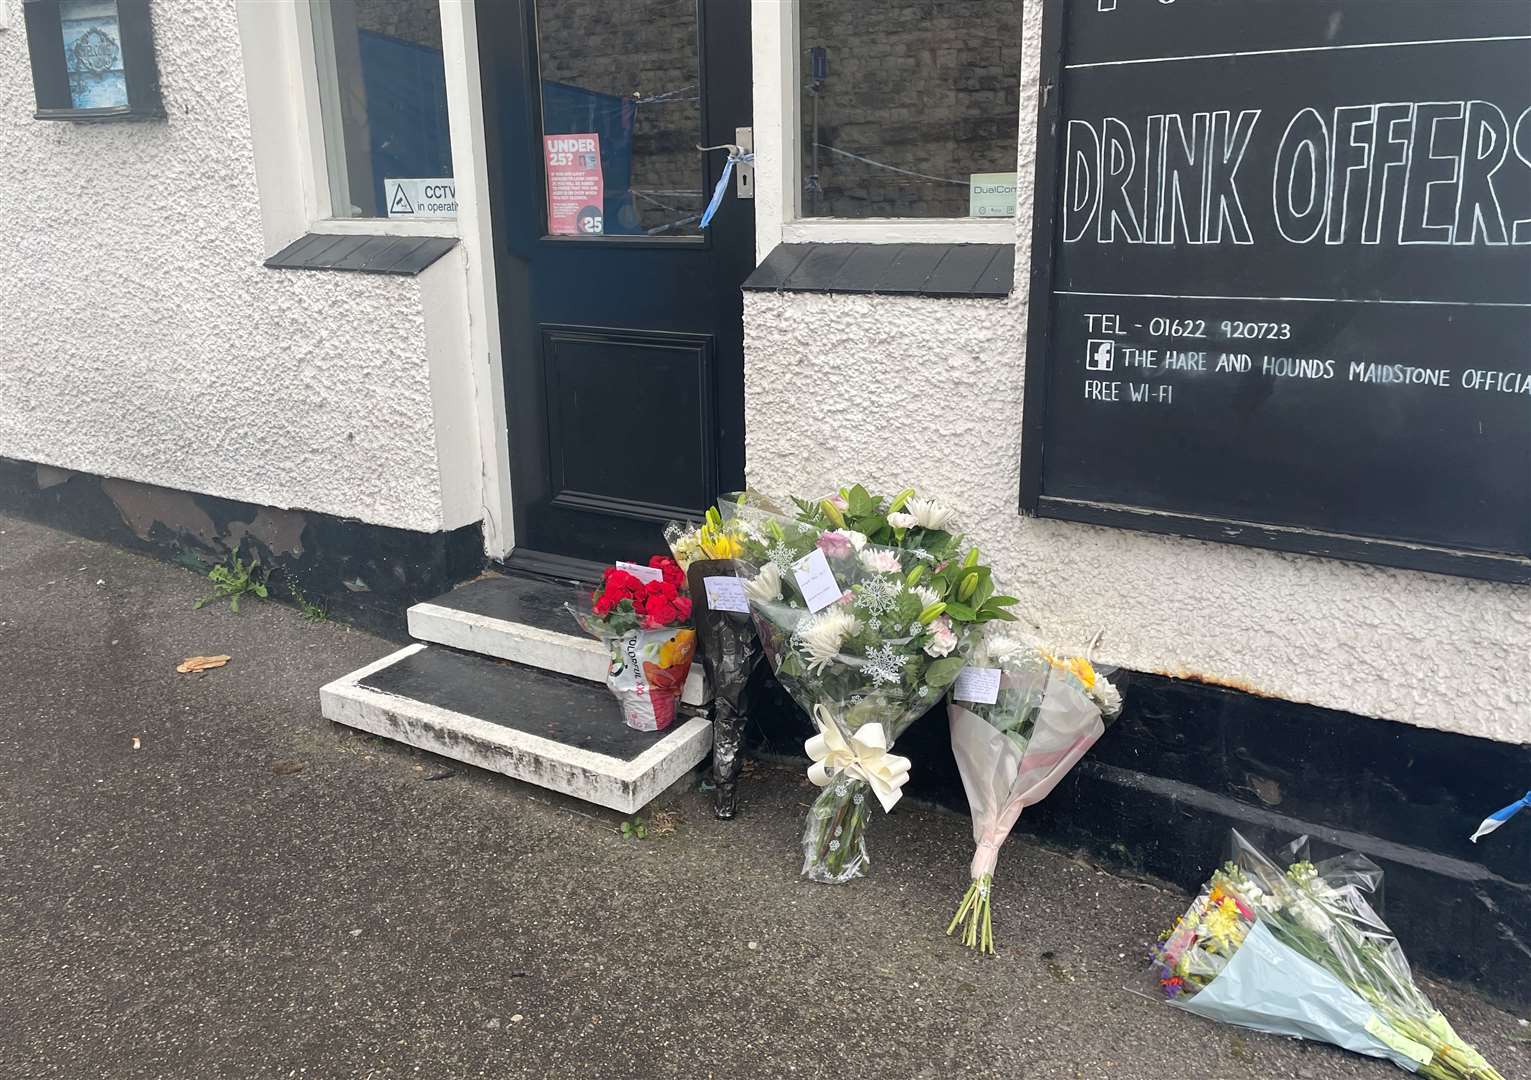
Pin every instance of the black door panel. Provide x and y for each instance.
(623, 351)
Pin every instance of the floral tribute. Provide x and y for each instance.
(864, 605)
(640, 614)
(1021, 718)
(726, 638)
(623, 602)
(1301, 952)
(709, 541)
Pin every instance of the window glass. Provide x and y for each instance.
(910, 109)
(383, 96)
(93, 54)
(621, 117)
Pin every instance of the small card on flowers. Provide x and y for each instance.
(644, 574)
(726, 594)
(979, 684)
(816, 581)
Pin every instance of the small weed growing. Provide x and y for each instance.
(235, 579)
(312, 612)
(635, 829)
(659, 823)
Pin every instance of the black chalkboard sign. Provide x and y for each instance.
(1281, 276)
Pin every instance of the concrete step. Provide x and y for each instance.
(524, 620)
(543, 728)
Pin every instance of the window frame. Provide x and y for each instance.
(778, 158)
(324, 161)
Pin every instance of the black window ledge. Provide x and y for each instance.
(938, 270)
(406, 255)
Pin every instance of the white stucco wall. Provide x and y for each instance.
(895, 391)
(141, 338)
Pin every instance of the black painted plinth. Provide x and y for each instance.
(1188, 761)
(364, 574)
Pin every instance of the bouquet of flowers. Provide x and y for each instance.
(1302, 952)
(713, 540)
(726, 633)
(864, 606)
(1021, 717)
(640, 613)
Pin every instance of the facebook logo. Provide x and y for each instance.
(1100, 354)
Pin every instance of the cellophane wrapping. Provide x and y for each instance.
(1047, 713)
(647, 637)
(647, 671)
(864, 666)
(1297, 948)
(730, 649)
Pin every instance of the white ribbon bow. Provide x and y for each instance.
(863, 756)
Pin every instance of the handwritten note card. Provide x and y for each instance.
(977, 684)
(816, 581)
(644, 574)
(726, 594)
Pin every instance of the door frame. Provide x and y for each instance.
(500, 82)
(470, 164)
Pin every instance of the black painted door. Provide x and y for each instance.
(620, 317)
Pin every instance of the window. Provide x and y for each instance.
(908, 110)
(383, 105)
(621, 117)
(92, 59)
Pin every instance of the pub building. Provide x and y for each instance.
(1211, 319)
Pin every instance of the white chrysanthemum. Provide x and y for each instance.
(927, 595)
(1002, 647)
(765, 587)
(1108, 697)
(930, 514)
(881, 561)
(900, 520)
(822, 637)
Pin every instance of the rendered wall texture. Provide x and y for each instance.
(141, 338)
(896, 391)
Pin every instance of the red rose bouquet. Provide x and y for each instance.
(640, 613)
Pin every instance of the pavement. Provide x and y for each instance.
(201, 878)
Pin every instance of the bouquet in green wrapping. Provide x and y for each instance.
(865, 606)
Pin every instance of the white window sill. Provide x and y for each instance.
(383, 227)
(898, 231)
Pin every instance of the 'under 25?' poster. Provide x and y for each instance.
(576, 190)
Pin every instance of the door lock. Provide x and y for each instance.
(744, 172)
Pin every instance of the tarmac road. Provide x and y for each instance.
(254, 892)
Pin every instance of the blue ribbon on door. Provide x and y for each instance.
(737, 155)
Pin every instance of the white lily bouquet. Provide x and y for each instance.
(864, 605)
(1021, 717)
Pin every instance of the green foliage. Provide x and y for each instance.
(942, 673)
(312, 612)
(235, 579)
(635, 828)
(968, 591)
